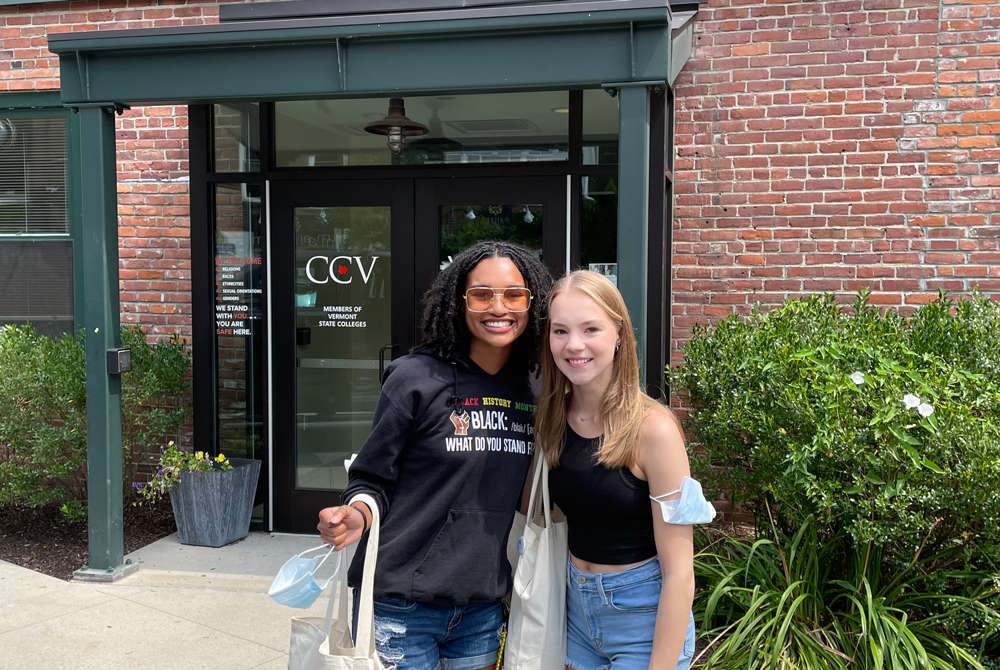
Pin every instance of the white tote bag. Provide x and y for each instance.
(325, 644)
(536, 637)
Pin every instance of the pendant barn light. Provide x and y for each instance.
(396, 127)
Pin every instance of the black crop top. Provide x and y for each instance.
(609, 513)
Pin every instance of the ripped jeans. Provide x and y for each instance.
(417, 636)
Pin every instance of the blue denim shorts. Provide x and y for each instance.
(611, 616)
(416, 636)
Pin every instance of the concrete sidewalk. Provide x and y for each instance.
(185, 608)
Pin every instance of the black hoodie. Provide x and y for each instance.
(446, 461)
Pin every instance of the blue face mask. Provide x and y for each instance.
(294, 584)
(690, 508)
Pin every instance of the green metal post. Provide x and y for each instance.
(633, 208)
(102, 322)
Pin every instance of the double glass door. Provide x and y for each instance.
(350, 262)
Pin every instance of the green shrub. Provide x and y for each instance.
(780, 604)
(43, 429)
(873, 440)
(74, 511)
(155, 398)
(43, 425)
(782, 425)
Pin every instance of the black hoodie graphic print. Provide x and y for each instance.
(446, 461)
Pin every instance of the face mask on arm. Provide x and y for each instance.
(690, 508)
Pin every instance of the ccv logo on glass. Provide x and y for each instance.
(338, 269)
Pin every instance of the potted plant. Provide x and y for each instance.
(212, 499)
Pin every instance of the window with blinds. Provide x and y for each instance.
(36, 285)
(34, 198)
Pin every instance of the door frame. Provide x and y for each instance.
(294, 509)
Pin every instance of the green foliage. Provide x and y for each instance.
(173, 462)
(154, 397)
(782, 422)
(43, 426)
(43, 434)
(74, 511)
(779, 604)
(466, 232)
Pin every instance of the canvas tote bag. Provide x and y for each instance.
(536, 637)
(325, 644)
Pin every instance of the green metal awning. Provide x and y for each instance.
(546, 45)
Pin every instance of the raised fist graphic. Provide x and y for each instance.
(461, 422)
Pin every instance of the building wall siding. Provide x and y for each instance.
(831, 145)
(153, 200)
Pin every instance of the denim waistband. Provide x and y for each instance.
(600, 581)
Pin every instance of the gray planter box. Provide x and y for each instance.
(213, 509)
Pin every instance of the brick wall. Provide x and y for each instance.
(829, 145)
(155, 259)
(153, 218)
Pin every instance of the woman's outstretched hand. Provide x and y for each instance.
(341, 526)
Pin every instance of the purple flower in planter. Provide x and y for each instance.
(159, 473)
(137, 485)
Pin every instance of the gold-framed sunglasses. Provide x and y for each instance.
(481, 299)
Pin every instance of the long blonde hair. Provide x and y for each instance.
(624, 403)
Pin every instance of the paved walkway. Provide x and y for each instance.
(186, 608)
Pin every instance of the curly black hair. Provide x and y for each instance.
(443, 323)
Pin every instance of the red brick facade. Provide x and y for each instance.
(822, 146)
(152, 150)
(829, 145)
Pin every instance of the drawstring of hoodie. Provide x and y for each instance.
(457, 400)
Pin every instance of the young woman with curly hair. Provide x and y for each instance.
(619, 472)
(446, 462)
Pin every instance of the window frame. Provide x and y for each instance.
(48, 104)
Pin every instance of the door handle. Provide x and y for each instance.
(381, 361)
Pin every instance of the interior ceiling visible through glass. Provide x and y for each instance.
(488, 128)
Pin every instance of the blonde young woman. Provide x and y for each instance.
(619, 471)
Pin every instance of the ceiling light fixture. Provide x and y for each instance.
(396, 127)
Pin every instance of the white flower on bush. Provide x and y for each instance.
(348, 461)
(858, 378)
(924, 409)
(910, 401)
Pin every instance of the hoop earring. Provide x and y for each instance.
(617, 347)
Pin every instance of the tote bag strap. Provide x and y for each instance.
(541, 475)
(546, 502)
(338, 592)
(365, 644)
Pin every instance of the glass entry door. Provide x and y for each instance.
(346, 278)
(451, 214)
(350, 262)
